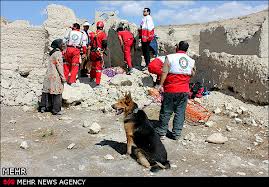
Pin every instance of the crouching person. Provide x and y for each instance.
(155, 67)
(177, 71)
(54, 80)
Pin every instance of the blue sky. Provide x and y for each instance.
(163, 12)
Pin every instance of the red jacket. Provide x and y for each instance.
(126, 35)
(177, 83)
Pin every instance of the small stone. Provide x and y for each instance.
(228, 128)
(24, 145)
(228, 106)
(249, 148)
(255, 143)
(12, 129)
(198, 100)
(86, 123)
(244, 110)
(184, 160)
(71, 146)
(53, 169)
(217, 138)
(238, 120)
(54, 157)
(232, 115)
(241, 173)
(13, 121)
(81, 167)
(186, 171)
(217, 111)
(109, 157)
(260, 173)
(22, 137)
(239, 111)
(259, 139)
(209, 124)
(94, 128)
(249, 163)
(189, 137)
(25, 108)
(65, 118)
(173, 166)
(184, 143)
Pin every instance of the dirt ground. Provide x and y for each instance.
(48, 154)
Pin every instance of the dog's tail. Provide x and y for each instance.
(158, 166)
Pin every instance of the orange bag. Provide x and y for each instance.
(196, 112)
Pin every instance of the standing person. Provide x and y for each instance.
(51, 99)
(177, 71)
(155, 67)
(146, 34)
(97, 46)
(76, 41)
(85, 58)
(126, 41)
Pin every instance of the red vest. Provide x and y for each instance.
(177, 83)
(146, 35)
(97, 38)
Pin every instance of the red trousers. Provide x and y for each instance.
(155, 67)
(96, 67)
(127, 53)
(71, 66)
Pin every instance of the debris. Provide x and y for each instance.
(24, 145)
(198, 100)
(184, 159)
(71, 146)
(54, 157)
(239, 111)
(244, 110)
(238, 120)
(265, 162)
(109, 157)
(232, 115)
(259, 139)
(94, 128)
(228, 128)
(228, 106)
(217, 111)
(217, 138)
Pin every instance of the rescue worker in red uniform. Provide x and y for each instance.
(98, 43)
(75, 41)
(155, 67)
(177, 70)
(126, 41)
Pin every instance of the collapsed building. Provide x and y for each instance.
(231, 55)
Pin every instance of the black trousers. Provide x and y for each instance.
(146, 52)
(51, 102)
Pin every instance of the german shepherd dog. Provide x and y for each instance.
(149, 151)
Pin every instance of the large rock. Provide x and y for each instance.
(217, 138)
(75, 95)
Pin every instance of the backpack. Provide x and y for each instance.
(197, 90)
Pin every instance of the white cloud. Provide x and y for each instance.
(129, 8)
(206, 14)
(177, 4)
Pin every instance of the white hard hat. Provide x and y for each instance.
(86, 23)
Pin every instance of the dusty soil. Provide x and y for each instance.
(49, 156)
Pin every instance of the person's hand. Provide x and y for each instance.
(160, 88)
